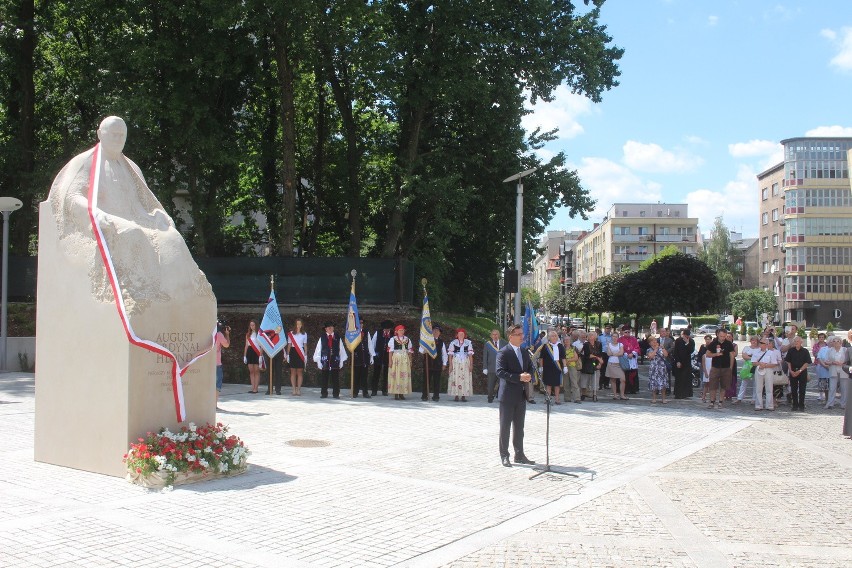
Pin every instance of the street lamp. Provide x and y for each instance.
(7, 205)
(519, 211)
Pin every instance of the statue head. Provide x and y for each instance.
(112, 134)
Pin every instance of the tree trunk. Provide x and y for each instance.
(288, 143)
(406, 158)
(22, 112)
(342, 91)
(319, 163)
(268, 169)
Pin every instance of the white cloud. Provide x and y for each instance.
(782, 13)
(753, 148)
(712, 20)
(736, 203)
(829, 131)
(697, 140)
(843, 42)
(562, 113)
(609, 182)
(653, 158)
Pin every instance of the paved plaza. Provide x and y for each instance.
(384, 483)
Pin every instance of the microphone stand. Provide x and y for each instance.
(546, 468)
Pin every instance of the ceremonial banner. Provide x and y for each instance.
(531, 330)
(95, 215)
(352, 337)
(270, 337)
(427, 340)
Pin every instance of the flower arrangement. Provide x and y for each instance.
(192, 452)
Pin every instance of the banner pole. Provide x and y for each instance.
(352, 376)
(426, 364)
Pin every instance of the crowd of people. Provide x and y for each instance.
(575, 365)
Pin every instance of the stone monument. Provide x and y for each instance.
(125, 319)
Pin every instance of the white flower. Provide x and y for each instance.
(161, 461)
(203, 463)
(190, 458)
(167, 488)
(192, 427)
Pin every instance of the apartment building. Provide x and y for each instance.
(631, 233)
(566, 259)
(817, 220)
(546, 266)
(770, 248)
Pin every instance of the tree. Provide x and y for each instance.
(532, 296)
(668, 250)
(677, 283)
(752, 303)
(720, 257)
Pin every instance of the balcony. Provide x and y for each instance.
(630, 256)
(627, 238)
(675, 238)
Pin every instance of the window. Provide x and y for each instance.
(775, 265)
(621, 230)
(774, 214)
(624, 213)
(764, 193)
(663, 231)
(774, 189)
(766, 242)
(765, 218)
(641, 213)
(775, 240)
(643, 230)
(659, 213)
(765, 267)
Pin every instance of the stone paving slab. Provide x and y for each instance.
(420, 484)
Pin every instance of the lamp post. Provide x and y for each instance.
(519, 211)
(7, 206)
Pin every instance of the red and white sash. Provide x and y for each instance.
(94, 215)
(256, 348)
(296, 346)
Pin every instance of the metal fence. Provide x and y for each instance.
(297, 280)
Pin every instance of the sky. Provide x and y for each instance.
(707, 91)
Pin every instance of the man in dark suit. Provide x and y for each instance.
(514, 369)
(381, 362)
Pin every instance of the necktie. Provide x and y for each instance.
(329, 341)
(520, 357)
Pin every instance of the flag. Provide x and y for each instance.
(531, 330)
(270, 337)
(427, 340)
(352, 337)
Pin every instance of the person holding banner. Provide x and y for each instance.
(361, 357)
(253, 356)
(436, 366)
(297, 346)
(461, 367)
(329, 355)
(381, 357)
(399, 372)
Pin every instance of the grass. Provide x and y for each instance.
(478, 329)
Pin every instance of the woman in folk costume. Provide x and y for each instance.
(553, 364)
(297, 343)
(399, 372)
(460, 351)
(253, 356)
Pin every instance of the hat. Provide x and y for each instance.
(397, 328)
(328, 324)
(461, 330)
(387, 324)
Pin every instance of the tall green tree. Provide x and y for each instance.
(752, 303)
(719, 256)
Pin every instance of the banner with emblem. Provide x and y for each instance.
(270, 336)
(352, 336)
(427, 339)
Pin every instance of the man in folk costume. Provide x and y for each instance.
(329, 355)
(489, 364)
(381, 357)
(436, 366)
(553, 364)
(362, 356)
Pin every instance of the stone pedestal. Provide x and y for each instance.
(95, 391)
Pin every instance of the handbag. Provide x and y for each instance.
(779, 379)
(747, 371)
(624, 363)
